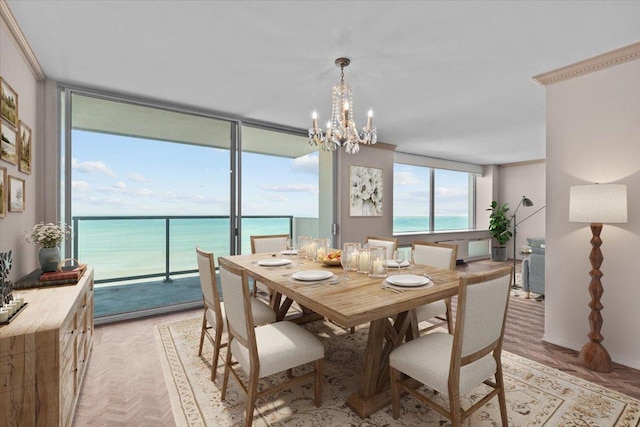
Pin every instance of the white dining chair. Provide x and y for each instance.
(389, 243)
(455, 364)
(213, 319)
(439, 255)
(271, 243)
(264, 350)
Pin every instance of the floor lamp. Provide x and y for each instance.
(596, 204)
(523, 202)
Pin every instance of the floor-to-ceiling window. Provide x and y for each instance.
(143, 185)
(427, 199)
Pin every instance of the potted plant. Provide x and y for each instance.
(500, 230)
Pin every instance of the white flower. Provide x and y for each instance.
(48, 235)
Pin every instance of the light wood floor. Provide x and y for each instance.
(124, 385)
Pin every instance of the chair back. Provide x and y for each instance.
(208, 283)
(389, 243)
(439, 255)
(268, 243)
(237, 302)
(481, 313)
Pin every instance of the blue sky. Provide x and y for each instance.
(116, 175)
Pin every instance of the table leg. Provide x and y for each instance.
(282, 307)
(373, 391)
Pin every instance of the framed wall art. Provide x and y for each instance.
(9, 147)
(16, 194)
(365, 191)
(9, 104)
(24, 148)
(3, 192)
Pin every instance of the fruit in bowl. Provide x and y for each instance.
(332, 258)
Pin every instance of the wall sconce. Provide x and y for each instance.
(596, 204)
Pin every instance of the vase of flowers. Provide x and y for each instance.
(49, 237)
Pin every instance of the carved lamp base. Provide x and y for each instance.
(595, 357)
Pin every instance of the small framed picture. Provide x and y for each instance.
(9, 143)
(9, 106)
(3, 192)
(24, 148)
(16, 194)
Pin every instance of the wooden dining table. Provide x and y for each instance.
(359, 300)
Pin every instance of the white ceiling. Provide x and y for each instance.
(445, 79)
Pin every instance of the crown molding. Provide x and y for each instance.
(9, 23)
(597, 63)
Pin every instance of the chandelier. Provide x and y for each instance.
(341, 129)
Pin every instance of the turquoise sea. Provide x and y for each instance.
(133, 247)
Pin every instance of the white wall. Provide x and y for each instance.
(16, 71)
(593, 135)
(524, 179)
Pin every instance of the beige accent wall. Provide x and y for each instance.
(524, 179)
(593, 135)
(18, 72)
(356, 229)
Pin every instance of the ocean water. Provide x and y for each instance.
(133, 247)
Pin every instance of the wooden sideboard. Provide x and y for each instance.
(44, 353)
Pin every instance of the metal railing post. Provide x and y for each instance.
(167, 256)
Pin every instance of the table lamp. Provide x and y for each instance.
(597, 204)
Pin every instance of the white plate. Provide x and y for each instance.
(407, 280)
(274, 262)
(312, 275)
(394, 264)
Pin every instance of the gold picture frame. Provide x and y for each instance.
(16, 194)
(3, 192)
(9, 144)
(24, 148)
(9, 103)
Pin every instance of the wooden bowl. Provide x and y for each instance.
(332, 262)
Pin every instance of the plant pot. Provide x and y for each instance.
(499, 253)
(49, 258)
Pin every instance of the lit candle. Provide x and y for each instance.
(370, 119)
(4, 314)
(346, 112)
(363, 262)
(378, 266)
(19, 300)
(321, 252)
(315, 120)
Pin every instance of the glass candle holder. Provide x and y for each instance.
(321, 248)
(350, 253)
(364, 260)
(378, 262)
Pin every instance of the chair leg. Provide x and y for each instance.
(449, 315)
(454, 408)
(252, 392)
(352, 329)
(395, 393)
(501, 396)
(227, 367)
(318, 384)
(216, 353)
(204, 326)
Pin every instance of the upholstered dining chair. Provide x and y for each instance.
(389, 243)
(458, 363)
(213, 319)
(264, 350)
(440, 255)
(273, 243)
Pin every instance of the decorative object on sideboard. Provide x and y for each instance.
(597, 204)
(499, 229)
(341, 128)
(11, 304)
(49, 237)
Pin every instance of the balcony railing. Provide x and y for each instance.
(140, 247)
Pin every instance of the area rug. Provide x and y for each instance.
(536, 395)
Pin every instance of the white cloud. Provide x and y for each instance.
(276, 197)
(306, 164)
(137, 177)
(451, 193)
(291, 188)
(405, 178)
(92, 167)
(143, 192)
(120, 185)
(80, 186)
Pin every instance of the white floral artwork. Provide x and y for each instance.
(366, 191)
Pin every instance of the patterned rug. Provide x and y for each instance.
(536, 395)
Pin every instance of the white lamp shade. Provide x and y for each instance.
(598, 203)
